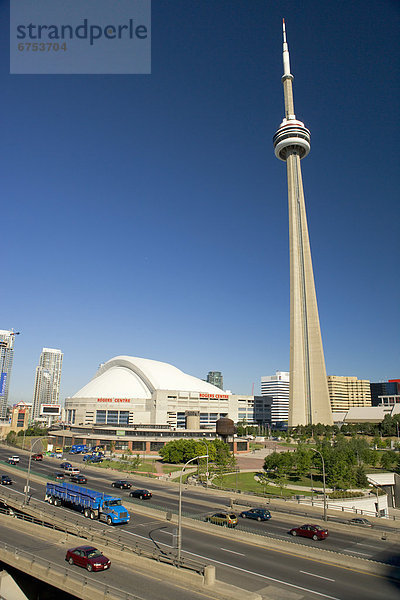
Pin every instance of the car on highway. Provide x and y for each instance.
(65, 465)
(59, 476)
(222, 518)
(78, 478)
(38, 456)
(71, 471)
(259, 514)
(88, 557)
(93, 458)
(122, 484)
(141, 494)
(361, 522)
(310, 531)
(5, 480)
(13, 460)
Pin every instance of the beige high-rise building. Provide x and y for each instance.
(345, 392)
(308, 392)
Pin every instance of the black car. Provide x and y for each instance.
(59, 476)
(259, 514)
(141, 494)
(78, 478)
(122, 483)
(6, 480)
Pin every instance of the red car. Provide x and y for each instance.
(37, 456)
(88, 557)
(310, 531)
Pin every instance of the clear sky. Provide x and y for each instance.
(147, 214)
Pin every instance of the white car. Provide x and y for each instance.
(71, 471)
(13, 459)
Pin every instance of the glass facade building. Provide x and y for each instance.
(47, 380)
(6, 361)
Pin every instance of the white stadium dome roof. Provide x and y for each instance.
(132, 377)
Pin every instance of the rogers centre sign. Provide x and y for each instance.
(219, 396)
(113, 400)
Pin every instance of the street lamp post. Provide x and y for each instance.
(29, 471)
(206, 443)
(323, 479)
(180, 506)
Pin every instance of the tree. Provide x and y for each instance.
(361, 480)
(302, 461)
(11, 437)
(387, 459)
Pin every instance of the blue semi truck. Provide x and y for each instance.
(78, 449)
(94, 505)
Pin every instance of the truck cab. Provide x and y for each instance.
(113, 512)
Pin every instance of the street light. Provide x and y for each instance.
(180, 506)
(206, 443)
(323, 478)
(29, 470)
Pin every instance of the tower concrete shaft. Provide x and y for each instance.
(308, 393)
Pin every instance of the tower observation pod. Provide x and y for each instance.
(308, 389)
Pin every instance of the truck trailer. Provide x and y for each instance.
(94, 505)
(78, 448)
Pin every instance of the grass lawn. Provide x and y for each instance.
(256, 446)
(146, 466)
(247, 483)
(171, 468)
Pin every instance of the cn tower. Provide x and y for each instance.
(308, 392)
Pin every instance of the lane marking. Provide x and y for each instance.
(315, 575)
(298, 587)
(354, 552)
(233, 552)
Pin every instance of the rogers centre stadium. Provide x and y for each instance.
(131, 396)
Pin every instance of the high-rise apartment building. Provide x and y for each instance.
(6, 361)
(345, 392)
(309, 397)
(215, 378)
(47, 381)
(277, 387)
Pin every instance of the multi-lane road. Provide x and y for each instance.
(240, 562)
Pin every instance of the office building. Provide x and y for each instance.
(215, 378)
(277, 387)
(347, 392)
(384, 388)
(20, 416)
(6, 361)
(47, 381)
(308, 395)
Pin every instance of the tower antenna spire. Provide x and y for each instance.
(286, 58)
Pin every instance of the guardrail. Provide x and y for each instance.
(93, 534)
(303, 501)
(68, 580)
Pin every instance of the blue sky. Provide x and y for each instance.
(147, 214)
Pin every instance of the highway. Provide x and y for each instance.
(147, 587)
(238, 561)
